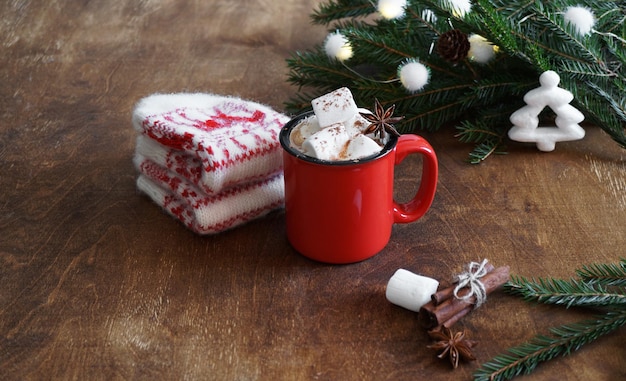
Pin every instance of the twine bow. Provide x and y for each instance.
(471, 279)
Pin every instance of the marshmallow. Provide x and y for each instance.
(335, 107)
(357, 124)
(335, 131)
(303, 131)
(328, 143)
(410, 291)
(361, 146)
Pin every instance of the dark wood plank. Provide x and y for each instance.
(97, 283)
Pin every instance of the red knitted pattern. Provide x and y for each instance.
(243, 217)
(183, 199)
(227, 134)
(212, 162)
(190, 168)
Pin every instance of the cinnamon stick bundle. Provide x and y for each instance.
(445, 309)
(448, 292)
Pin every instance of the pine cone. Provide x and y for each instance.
(453, 46)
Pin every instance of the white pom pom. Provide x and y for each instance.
(414, 76)
(581, 17)
(391, 9)
(459, 8)
(338, 47)
(481, 50)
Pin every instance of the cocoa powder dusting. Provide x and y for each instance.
(343, 154)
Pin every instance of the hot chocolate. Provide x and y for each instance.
(336, 131)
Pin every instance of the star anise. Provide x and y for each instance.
(454, 345)
(381, 120)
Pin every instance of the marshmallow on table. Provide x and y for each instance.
(409, 290)
(335, 107)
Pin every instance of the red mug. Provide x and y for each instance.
(343, 211)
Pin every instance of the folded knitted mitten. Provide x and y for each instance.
(211, 161)
(208, 214)
(216, 141)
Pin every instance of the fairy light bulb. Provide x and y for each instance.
(338, 47)
(458, 8)
(429, 16)
(481, 50)
(391, 9)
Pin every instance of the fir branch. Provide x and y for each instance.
(306, 69)
(331, 11)
(618, 104)
(488, 141)
(563, 340)
(600, 285)
(433, 117)
(300, 103)
(569, 293)
(370, 43)
(490, 89)
(595, 109)
(607, 274)
(495, 25)
(485, 149)
(532, 36)
(560, 38)
(475, 132)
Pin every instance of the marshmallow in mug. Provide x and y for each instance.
(328, 143)
(336, 130)
(335, 107)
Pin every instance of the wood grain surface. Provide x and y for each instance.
(97, 283)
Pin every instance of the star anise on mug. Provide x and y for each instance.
(381, 120)
(452, 344)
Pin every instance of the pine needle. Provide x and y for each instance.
(562, 341)
(607, 274)
(600, 286)
(573, 292)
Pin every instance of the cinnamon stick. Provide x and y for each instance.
(431, 315)
(456, 317)
(450, 322)
(448, 292)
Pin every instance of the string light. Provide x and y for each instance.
(481, 50)
(391, 9)
(429, 16)
(459, 8)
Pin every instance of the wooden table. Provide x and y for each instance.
(97, 283)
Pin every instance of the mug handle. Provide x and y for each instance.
(417, 207)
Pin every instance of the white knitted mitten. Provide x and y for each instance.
(231, 140)
(213, 162)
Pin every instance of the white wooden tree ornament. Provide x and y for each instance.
(526, 119)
